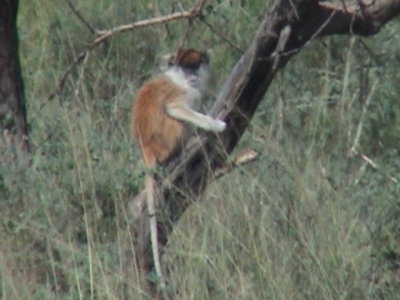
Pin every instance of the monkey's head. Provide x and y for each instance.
(190, 59)
(193, 64)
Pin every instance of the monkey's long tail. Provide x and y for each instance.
(149, 185)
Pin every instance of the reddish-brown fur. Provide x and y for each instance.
(190, 57)
(157, 134)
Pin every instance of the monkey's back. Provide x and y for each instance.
(157, 134)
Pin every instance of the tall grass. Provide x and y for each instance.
(309, 220)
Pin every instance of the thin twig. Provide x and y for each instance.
(106, 34)
(240, 160)
(357, 136)
(371, 52)
(81, 18)
(61, 81)
(222, 36)
(369, 161)
(375, 166)
(281, 45)
(81, 75)
(187, 33)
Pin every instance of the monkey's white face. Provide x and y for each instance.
(196, 79)
(193, 81)
(199, 78)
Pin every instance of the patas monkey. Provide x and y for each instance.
(163, 107)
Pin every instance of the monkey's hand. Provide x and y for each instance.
(218, 126)
(181, 112)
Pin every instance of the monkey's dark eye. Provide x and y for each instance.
(191, 69)
(192, 66)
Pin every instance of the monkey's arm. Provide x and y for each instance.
(181, 112)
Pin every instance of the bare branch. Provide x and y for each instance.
(187, 14)
(362, 17)
(104, 35)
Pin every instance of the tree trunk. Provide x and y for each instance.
(13, 124)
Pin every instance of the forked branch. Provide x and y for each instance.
(104, 35)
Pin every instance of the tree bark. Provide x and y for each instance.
(289, 25)
(13, 124)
